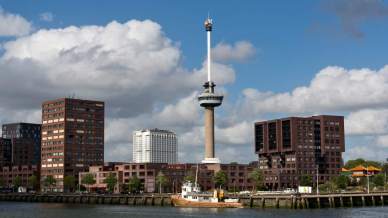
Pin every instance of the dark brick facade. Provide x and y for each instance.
(26, 142)
(72, 137)
(291, 147)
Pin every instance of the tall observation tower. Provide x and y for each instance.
(209, 100)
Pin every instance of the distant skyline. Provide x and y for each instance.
(146, 60)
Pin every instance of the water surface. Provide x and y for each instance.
(54, 210)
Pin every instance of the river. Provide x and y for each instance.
(54, 210)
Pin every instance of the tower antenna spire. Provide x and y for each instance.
(208, 26)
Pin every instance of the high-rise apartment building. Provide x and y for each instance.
(26, 142)
(154, 146)
(295, 146)
(72, 137)
(5, 152)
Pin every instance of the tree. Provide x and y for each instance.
(69, 183)
(341, 181)
(328, 187)
(306, 180)
(88, 180)
(257, 177)
(134, 184)
(379, 179)
(111, 182)
(220, 178)
(385, 168)
(161, 179)
(49, 182)
(189, 178)
(353, 163)
(33, 182)
(17, 182)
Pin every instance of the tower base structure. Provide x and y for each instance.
(209, 160)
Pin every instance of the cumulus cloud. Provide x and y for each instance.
(332, 89)
(367, 122)
(131, 65)
(13, 24)
(240, 51)
(382, 141)
(351, 13)
(46, 16)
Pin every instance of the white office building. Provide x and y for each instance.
(154, 146)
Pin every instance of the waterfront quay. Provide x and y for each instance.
(263, 201)
(144, 200)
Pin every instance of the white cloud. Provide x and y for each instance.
(382, 141)
(367, 122)
(133, 61)
(332, 89)
(369, 152)
(240, 51)
(13, 24)
(46, 16)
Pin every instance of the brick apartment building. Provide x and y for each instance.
(72, 137)
(147, 172)
(26, 141)
(291, 147)
(5, 152)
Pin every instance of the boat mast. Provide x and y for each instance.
(196, 177)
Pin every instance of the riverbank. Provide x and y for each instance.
(265, 201)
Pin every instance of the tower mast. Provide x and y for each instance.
(209, 100)
(208, 25)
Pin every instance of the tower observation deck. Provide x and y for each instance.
(209, 100)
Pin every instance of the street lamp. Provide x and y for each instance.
(317, 179)
(367, 177)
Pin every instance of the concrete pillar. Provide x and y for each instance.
(262, 202)
(341, 202)
(382, 200)
(373, 201)
(351, 201)
(363, 201)
(318, 202)
(209, 132)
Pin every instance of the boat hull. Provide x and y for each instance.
(181, 202)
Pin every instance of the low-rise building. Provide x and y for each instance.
(238, 175)
(361, 171)
(24, 172)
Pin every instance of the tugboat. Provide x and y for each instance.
(192, 196)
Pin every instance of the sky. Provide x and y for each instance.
(147, 61)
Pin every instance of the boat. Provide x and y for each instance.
(192, 196)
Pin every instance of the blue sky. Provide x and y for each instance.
(293, 42)
(290, 51)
